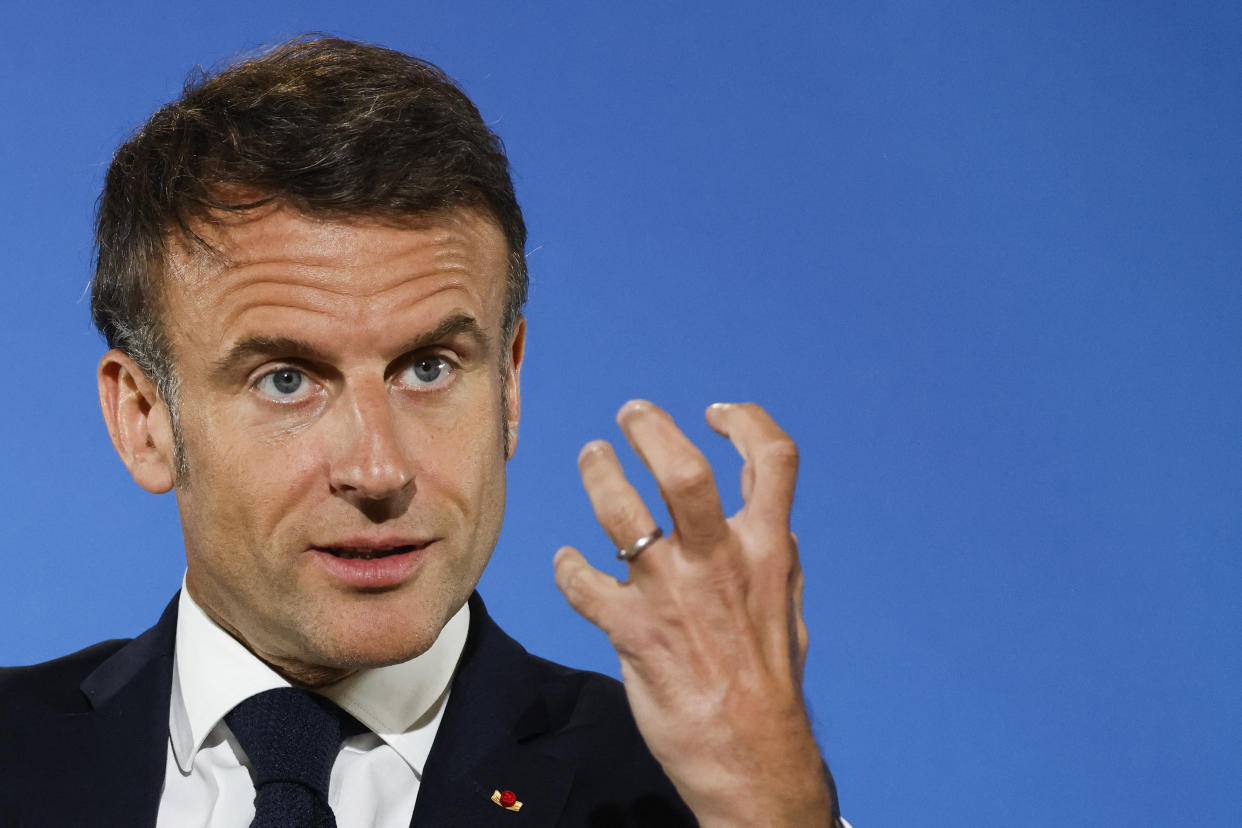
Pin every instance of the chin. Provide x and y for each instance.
(382, 654)
(376, 630)
(379, 643)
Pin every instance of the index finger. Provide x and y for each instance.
(770, 456)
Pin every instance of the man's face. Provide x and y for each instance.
(344, 401)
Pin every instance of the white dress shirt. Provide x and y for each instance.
(376, 775)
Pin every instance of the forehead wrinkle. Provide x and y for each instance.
(364, 312)
(359, 276)
(418, 311)
(235, 298)
(324, 262)
(405, 295)
(231, 318)
(447, 253)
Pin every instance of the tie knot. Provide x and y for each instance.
(291, 735)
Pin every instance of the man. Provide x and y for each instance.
(310, 275)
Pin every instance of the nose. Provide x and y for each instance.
(370, 465)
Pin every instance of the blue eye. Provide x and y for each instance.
(429, 370)
(283, 382)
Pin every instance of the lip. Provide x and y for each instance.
(377, 573)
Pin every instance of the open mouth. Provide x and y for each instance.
(357, 553)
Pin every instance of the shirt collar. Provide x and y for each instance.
(213, 673)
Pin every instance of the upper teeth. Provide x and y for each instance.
(364, 554)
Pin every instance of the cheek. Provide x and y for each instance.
(236, 442)
(461, 450)
(243, 479)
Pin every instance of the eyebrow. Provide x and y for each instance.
(259, 345)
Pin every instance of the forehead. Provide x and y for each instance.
(277, 257)
(279, 233)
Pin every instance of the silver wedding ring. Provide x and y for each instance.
(632, 551)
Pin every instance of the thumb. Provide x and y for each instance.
(589, 591)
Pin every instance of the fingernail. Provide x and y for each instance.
(632, 407)
(593, 447)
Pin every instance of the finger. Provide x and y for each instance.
(770, 457)
(682, 472)
(618, 506)
(800, 636)
(590, 592)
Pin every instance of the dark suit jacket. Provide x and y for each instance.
(84, 739)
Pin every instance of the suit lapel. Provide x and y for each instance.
(122, 742)
(486, 739)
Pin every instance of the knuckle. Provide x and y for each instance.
(775, 563)
(690, 478)
(570, 579)
(567, 578)
(638, 638)
(773, 556)
(781, 451)
(576, 591)
(751, 410)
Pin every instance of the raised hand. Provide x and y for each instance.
(708, 624)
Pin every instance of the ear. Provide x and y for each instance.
(138, 422)
(513, 383)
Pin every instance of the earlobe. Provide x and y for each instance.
(513, 384)
(138, 421)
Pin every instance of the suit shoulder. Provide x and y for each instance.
(53, 684)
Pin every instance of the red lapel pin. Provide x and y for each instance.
(507, 800)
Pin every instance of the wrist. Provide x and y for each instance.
(790, 789)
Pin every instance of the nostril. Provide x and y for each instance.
(375, 482)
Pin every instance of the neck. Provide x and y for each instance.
(295, 672)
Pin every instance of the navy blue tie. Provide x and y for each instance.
(291, 737)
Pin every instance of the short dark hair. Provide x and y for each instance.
(332, 127)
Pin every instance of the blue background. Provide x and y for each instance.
(980, 259)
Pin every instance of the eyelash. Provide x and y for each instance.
(285, 399)
(449, 366)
